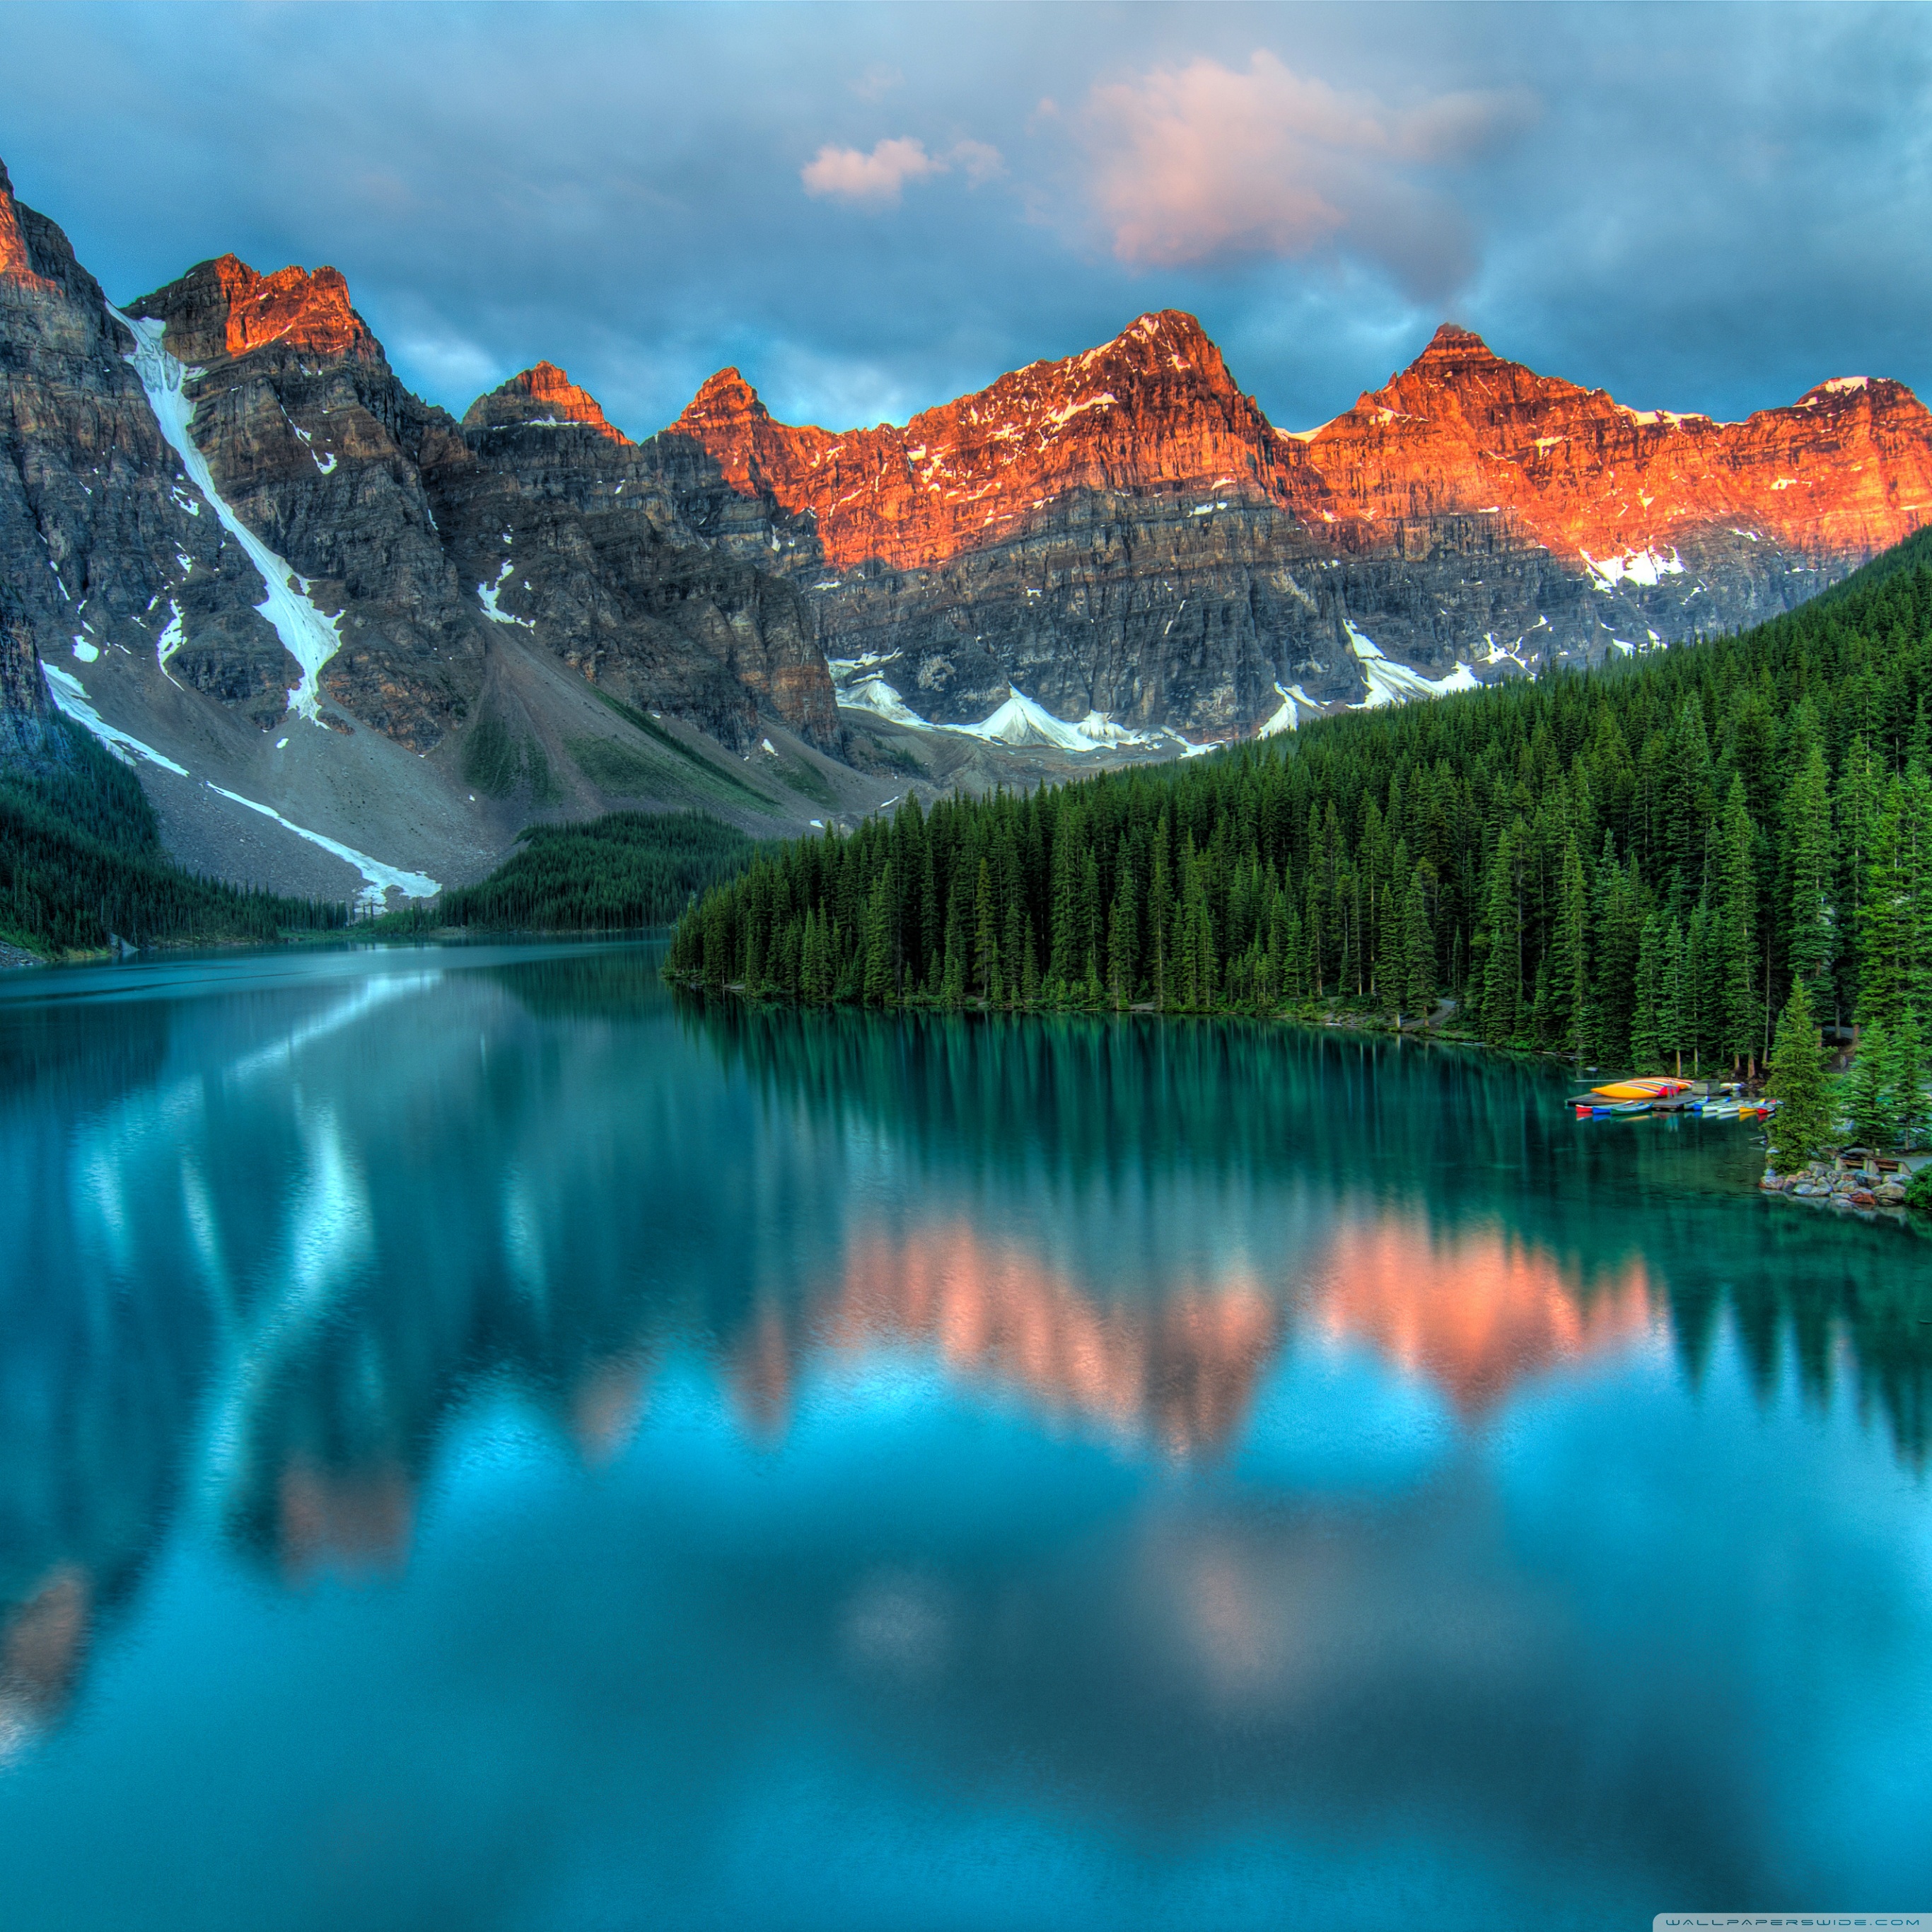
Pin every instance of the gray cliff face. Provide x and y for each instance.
(316, 446)
(99, 527)
(1143, 607)
(633, 562)
(646, 574)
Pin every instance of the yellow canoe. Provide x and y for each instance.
(1638, 1090)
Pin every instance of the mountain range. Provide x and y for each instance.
(354, 644)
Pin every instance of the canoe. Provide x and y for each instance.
(1639, 1089)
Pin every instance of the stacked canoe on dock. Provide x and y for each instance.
(1664, 1095)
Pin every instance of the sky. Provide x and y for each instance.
(872, 209)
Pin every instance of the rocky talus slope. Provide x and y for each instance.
(1123, 531)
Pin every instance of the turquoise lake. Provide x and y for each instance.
(486, 1443)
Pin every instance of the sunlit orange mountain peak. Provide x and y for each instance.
(540, 397)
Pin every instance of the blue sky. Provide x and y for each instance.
(869, 209)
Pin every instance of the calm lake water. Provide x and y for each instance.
(485, 1444)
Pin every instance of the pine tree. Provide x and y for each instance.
(1503, 923)
(1902, 1072)
(1737, 912)
(1646, 1037)
(1802, 1123)
(1418, 949)
(986, 938)
(1807, 818)
(1120, 935)
(1391, 974)
(1569, 976)
(1857, 802)
(1868, 1094)
(1671, 1029)
(1883, 951)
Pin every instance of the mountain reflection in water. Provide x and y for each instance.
(1477, 1312)
(280, 1238)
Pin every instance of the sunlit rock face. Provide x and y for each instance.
(317, 447)
(1123, 531)
(543, 396)
(1155, 406)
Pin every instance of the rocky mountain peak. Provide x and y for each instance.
(13, 243)
(1878, 396)
(538, 397)
(1169, 337)
(1451, 342)
(1159, 364)
(17, 259)
(224, 308)
(723, 399)
(1154, 408)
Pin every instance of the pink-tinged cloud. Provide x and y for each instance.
(1202, 162)
(877, 180)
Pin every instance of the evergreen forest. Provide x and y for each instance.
(1632, 865)
(82, 863)
(625, 870)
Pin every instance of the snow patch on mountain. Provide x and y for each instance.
(1647, 568)
(1020, 722)
(68, 692)
(309, 636)
(382, 879)
(875, 695)
(1287, 715)
(173, 636)
(1392, 683)
(487, 595)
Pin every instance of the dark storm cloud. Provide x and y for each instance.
(870, 209)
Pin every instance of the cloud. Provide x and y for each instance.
(876, 180)
(637, 216)
(1198, 163)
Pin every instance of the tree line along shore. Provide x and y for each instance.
(1637, 865)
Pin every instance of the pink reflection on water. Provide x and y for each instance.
(1477, 1312)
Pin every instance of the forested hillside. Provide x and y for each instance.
(1630, 864)
(81, 859)
(614, 874)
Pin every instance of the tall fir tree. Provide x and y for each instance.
(1743, 1016)
(1807, 832)
(1801, 1125)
